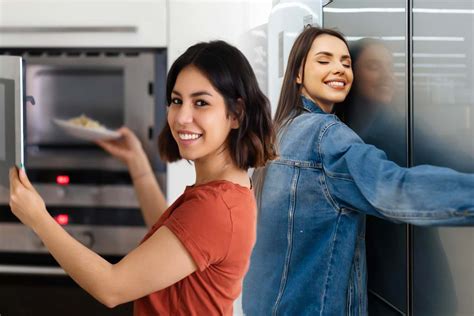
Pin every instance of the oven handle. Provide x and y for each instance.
(36, 270)
(69, 29)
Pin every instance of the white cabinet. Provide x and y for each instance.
(83, 23)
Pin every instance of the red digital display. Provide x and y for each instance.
(62, 180)
(62, 219)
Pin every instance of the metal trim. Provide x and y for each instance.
(28, 270)
(409, 129)
(69, 29)
(388, 303)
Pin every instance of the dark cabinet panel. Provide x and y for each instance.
(52, 296)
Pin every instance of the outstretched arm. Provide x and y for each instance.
(129, 150)
(157, 263)
(359, 176)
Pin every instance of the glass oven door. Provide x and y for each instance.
(11, 115)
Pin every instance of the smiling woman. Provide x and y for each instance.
(193, 259)
(309, 258)
(198, 116)
(228, 89)
(327, 76)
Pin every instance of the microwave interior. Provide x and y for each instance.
(65, 92)
(112, 86)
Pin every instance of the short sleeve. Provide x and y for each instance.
(203, 225)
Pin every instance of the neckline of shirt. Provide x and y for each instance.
(220, 181)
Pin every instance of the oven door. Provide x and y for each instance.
(11, 115)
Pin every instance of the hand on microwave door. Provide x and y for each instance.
(25, 202)
(110, 284)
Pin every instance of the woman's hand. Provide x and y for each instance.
(126, 148)
(25, 202)
(129, 150)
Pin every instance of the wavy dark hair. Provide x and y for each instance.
(290, 104)
(250, 145)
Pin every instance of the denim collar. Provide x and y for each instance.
(310, 106)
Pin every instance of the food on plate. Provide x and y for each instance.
(85, 128)
(85, 121)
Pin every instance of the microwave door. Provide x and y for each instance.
(11, 116)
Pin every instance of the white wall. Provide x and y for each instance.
(286, 21)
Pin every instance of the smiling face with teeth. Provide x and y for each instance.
(326, 77)
(198, 118)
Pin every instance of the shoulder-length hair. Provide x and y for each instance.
(250, 145)
(290, 104)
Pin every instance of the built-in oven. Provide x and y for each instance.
(85, 189)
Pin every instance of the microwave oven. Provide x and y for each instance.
(97, 203)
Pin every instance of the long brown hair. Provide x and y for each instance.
(290, 104)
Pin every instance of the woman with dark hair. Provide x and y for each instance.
(309, 258)
(197, 251)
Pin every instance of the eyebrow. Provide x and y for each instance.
(331, 54)
(194, 94)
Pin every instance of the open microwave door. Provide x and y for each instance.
(11, 116)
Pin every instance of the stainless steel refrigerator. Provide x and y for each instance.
(414, 96)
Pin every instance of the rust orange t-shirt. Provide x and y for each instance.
(216, 223)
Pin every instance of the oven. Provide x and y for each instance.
(85, 189)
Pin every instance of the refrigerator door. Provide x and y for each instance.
(376, 109)
(11, 116)
(443, 112)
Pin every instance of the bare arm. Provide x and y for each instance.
(156, 264)
(129, 150)
(150, 197)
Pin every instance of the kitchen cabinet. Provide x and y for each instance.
(26, 295)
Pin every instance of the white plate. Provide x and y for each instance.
(87, 133)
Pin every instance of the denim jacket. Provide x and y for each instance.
(309, 258)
